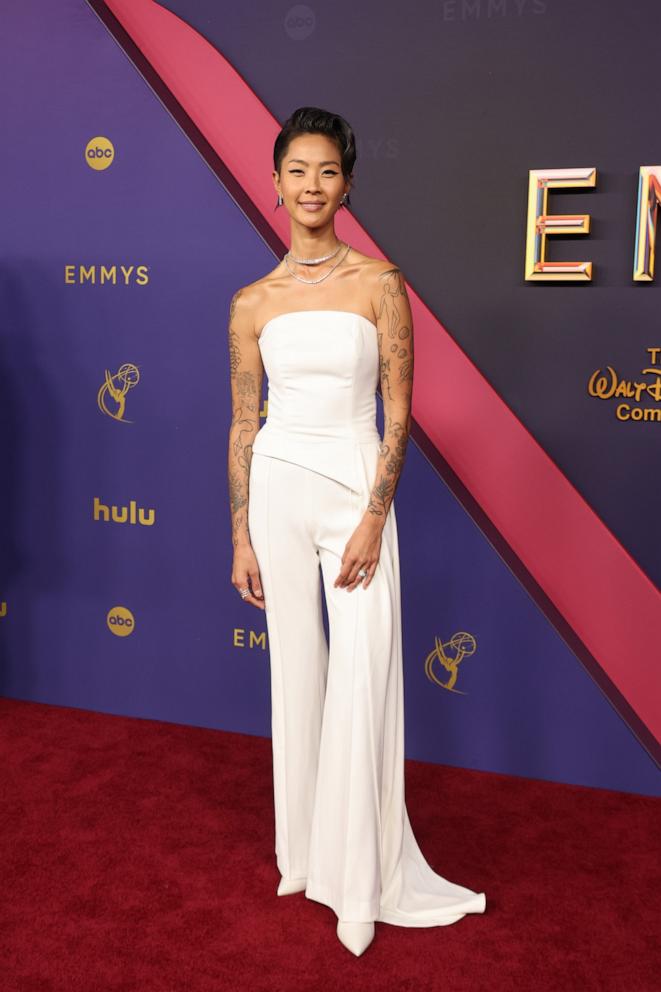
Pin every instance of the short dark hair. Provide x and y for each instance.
(313, 120)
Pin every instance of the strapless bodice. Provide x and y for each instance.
(323, 370)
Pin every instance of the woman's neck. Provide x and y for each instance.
(306, 245)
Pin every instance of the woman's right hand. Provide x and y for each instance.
(245, 575)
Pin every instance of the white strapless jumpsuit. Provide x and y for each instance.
(341, 820)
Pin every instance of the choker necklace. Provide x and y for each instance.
(312, 262)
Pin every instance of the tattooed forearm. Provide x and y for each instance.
(395, 339)
(245, 385)
(389, 467)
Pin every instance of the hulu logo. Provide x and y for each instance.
(131, 514)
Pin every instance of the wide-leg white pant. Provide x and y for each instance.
(337, 715)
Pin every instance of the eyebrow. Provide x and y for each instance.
(329, 162)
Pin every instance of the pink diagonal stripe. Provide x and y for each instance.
(593, 581)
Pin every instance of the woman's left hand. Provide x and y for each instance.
(362, 551)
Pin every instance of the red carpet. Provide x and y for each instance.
(138, 855)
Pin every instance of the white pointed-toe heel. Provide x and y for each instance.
(289, 885)
(355, 936)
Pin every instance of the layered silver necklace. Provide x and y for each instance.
(315, 261)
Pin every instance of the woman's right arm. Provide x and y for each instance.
(246, 374)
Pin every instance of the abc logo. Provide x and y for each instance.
(120, 620)
(300, 22)
(99, 153)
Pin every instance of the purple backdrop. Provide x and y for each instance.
(458, 121)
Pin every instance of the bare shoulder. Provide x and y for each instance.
(249, 300)
(243, 306)
(240, 309)
(387, 288)
(378, 270)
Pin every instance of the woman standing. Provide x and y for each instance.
(312, 490)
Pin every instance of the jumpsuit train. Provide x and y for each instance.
(341, 820)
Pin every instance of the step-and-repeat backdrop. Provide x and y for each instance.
(120, 251)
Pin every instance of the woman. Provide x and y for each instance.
(313, 489)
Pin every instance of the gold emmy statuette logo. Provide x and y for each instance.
(3, 609)
(120, 621)
(462, 646)
(99, 153)
(116, 387)
(131, 514)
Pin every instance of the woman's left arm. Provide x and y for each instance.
(395, 340)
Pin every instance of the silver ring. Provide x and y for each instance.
(244, 592)
(362, 573)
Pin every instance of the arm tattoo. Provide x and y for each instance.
(245, 385)
(396, 375)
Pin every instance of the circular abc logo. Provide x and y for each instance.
(120, 620)
(300, 22)
(99, 153)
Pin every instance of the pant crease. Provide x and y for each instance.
(282, 756)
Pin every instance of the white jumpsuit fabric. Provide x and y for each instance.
(337, 710)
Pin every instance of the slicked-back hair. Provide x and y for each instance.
(313, 120)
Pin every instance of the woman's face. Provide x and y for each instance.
(311, 180)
